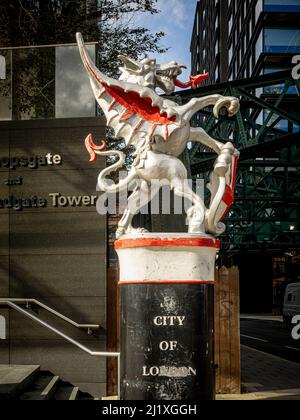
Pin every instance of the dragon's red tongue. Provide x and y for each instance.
(194, 81)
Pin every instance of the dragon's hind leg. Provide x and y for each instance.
(140, 197)
(196, 213)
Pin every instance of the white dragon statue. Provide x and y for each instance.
(160, 130)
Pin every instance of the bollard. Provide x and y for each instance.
(167, 316)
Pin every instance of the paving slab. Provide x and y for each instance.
(289, 395)
(263, 372)
(266, 377)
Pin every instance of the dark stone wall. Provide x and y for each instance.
(54, 254)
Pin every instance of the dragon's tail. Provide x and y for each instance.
(103, 185)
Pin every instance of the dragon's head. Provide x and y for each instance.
(147, 73)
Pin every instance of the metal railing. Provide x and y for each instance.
(29, 302)
(12, 304)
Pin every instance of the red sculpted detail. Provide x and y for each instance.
(194, 82)
(228, 197)
(92, 147)
(127, 114)
(134, 103)
(140, 106)
(167, 242)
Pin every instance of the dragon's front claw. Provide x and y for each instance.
(230, 103)
(234, 107)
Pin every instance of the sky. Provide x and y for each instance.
(176, 19)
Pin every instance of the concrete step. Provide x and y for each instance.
(43, 388)
(74, 394)
(15, 379)
(66, 392)
(51, 388)
(30, 383)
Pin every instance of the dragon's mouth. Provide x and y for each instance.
(171, 73)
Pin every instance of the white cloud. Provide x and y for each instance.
(174, 11)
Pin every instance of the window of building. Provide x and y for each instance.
(236, 5)
(278, 40)
(277, 89)
(230, 53)
(248, 31)
(5, 86)
(217, 21)
(250, 68)
(245, 8)
(281, 6)
(74, 97)
(234, 43)
(47, 82)
(217, 73)
(217, 47)
(247, 69)
(282, 125)
(235, 70)
(259, 46)
(238, 26)
(230, 23)
(245, 43)
(258, 9)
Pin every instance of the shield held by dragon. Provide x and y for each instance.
(159, 129)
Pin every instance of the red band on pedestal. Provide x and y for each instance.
(124, 283)
(166, 242)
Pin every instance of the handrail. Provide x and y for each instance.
(52, 311)
(66, 337)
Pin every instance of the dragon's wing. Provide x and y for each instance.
(129, 108)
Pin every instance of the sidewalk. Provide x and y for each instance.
(263, 317)
(267, 377)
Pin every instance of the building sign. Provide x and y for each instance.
(30, 162)
(168, 340)
(52, 243)
(54, 199)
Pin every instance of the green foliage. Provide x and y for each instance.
(109, 22)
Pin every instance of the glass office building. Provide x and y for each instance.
(45, 82)
(235, 39)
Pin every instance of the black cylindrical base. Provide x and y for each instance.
(167, 342)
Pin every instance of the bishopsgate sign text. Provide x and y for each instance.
(56, 199)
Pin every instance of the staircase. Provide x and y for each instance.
(30, 383)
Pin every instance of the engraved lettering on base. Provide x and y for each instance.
(169, 372)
